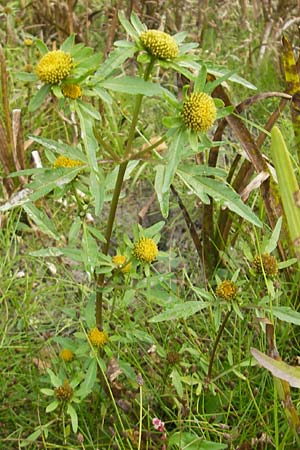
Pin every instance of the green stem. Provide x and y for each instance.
(220, 332)
(116, 196)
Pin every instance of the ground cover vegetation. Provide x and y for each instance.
(150, 225)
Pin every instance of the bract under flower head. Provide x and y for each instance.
(71, 91)
(227, 290)
(64, 161)
(97, 338)
(145, 250)
(199, 112)
(159, 44)
(265, 262)
(54, 67)
(119, 260)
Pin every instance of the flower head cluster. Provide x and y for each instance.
(266, 263)
(119, 261)
(97, 338)
(159, 44)
(145, 250)
(54, 67)
(28, 42)
(64, 161)
(71, 91)
(64, 393)
(227, 290)
(66, 355)
(199, 112)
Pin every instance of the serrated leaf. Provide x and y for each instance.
(279, 369)
(272, 243)
(88, 110)
(201, 79)
(90, 379)
(220, 192)
(48, 392)
(127, 25)
(41, 219)
(41, 46)
(67, 45)
(132, 85)
(180, 311)
(74, 231)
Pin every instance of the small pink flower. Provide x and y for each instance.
(158, 424)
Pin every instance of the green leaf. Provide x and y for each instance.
(165, 174)
(26, 76)
(54, 378)
(180, 311)
(31, 438)
(286, 314)
(74, 231)
(189, 441)
(88, 110)
(220, 192)
(74, 418)
(48, 392)
(41, 219)
(176, 381)
(114, 61)
(127, 26)
(50, 179)
(138, 25)
(210, 86)
(67, 45)
(89, 381)
(89, 311)
(278, 369)
(52, 406)
(132, 85)
(41, 46)
(272, 243)
(37, 100)
(201, 79)
(89, 251)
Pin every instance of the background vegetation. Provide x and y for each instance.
(179, 351)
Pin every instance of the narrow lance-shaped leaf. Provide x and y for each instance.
(279, 369)
(288, 186)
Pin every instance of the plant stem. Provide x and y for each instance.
(116, 196)
(212, 356)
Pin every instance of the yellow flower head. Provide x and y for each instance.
(159, 44)
(28, 42)
(97, 338)
(145, 250)
(66, 355)
(54, 67)
(199, 112)
(227, 290)
(119, 261)
(266, 262)
(64, 161)
(64, 393)
(71, 91)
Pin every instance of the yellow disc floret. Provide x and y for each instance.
(71, 91)
(227, 290)
(54, 67)
(145, 250)
(64, 161)
(97, 338)
(119, 261)
(199, 112)
(66, 355)
(266, 263)
(159, 44)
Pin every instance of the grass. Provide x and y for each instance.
(150, 368)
